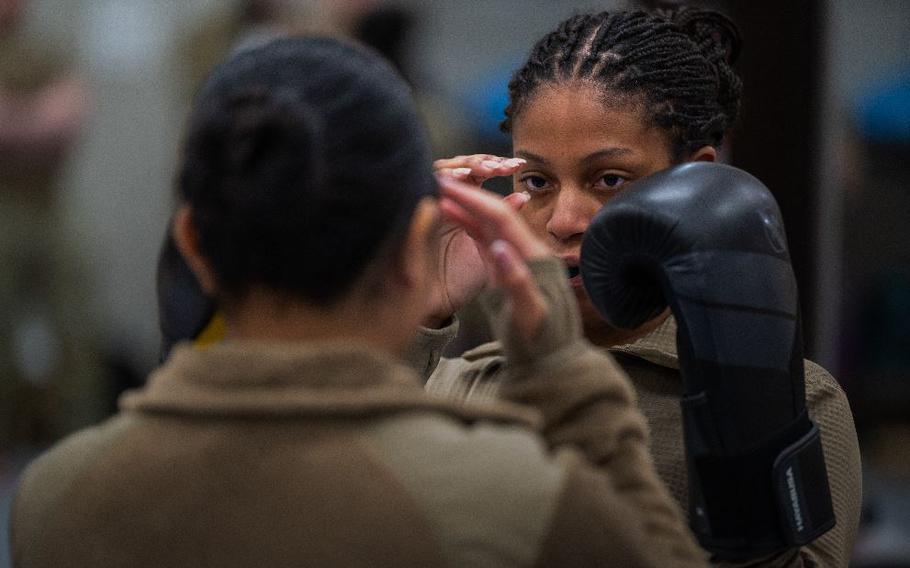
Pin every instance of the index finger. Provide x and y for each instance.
(482, 166)
(464, 161)
(498, 218)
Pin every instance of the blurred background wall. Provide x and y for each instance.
(844, 190)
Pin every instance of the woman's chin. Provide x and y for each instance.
(599, 332)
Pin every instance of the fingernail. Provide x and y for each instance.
(443, 178)
(514, 162)
(492, 164)
(501, 255)
(461, 172)
(526, 196)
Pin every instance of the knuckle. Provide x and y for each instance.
(499, 212)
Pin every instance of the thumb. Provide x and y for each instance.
(517, 200)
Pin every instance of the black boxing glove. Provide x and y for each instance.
(183, 308)
(707, 240)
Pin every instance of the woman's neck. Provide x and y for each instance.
(602, 334)
(263, 317)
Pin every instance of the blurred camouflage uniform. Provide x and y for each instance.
(50, 379)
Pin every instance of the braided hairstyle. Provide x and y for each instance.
(304, 161)
(677, 63)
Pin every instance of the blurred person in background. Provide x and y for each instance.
(385, 26)
(235, 25)
(242, 24)
(50, 379)
(306, 438)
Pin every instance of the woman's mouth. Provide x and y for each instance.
(574, 274)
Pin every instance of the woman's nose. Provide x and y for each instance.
(572, 213)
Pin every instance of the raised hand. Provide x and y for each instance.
(477, 168)
(461, 272)
(505, 242)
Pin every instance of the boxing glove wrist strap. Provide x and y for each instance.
(772, 497)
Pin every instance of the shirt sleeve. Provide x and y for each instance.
(428, 345)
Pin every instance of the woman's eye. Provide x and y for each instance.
(535, 183)
(611, 181)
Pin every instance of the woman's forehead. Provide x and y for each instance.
(578, 119)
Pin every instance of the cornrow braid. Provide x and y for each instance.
(570, 30)
(678, 63)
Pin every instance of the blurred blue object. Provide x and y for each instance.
(883, 111)
(487, 98)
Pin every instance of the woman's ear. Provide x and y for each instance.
(187, 241)
(704, 154)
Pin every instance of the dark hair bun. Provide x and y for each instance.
(713, 32)
(719, 40)
(303, 162)
(266, 138)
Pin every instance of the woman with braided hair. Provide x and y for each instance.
(603, 100)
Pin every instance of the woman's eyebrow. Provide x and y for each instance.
(610, 152)
(531, 157)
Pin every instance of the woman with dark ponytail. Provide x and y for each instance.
(603, 100)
